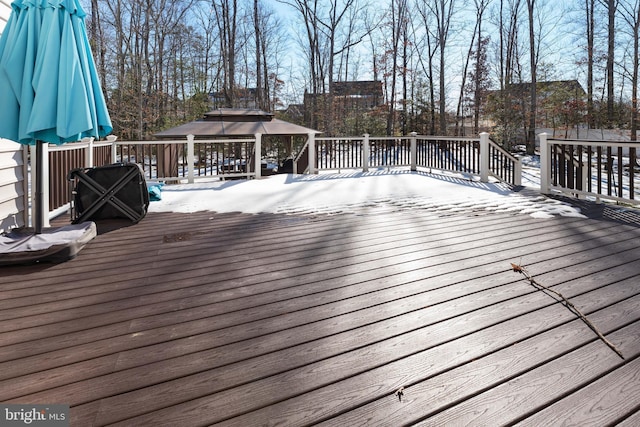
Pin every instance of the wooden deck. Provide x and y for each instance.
(251, 320)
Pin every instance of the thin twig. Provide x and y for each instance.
(520, 269)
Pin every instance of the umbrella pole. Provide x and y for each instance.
(37, 200)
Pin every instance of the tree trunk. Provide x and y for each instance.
(590, 21)
(531, 138)
(611, 11)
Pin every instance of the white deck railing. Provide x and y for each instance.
(474, 156)
(189, 159)
(602, 170)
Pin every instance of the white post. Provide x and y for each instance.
(190, 158)
(114, 155)
(545, 163)
(517, 179)
(34, 177)
(365, 153)
(484, 157)
(45, 187)
(25, 183)
(88, 155)
(585, 178)
(44, 197)
(414, 151)
(312, 154)
(258, 155)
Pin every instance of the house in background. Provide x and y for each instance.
(358, 95)
(242, 98)
(347, 100)
(556, 101)
(14, 199)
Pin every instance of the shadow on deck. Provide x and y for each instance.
(195, 319)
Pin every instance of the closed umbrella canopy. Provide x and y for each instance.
(49, 92)
(48, 80)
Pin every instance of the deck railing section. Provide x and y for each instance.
(451, 154)
(390, 152)
(63, 158)
(455, 154)
(585, 168)
(503, 165)
(192, 159)
(164, 161)
(336, 154)
(301, 160)
(178, 160)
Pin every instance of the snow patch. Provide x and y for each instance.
(340, 193)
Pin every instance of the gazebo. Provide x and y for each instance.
(237, 123)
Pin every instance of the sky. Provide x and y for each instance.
(356, 192)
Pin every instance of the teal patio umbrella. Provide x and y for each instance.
(49, 89)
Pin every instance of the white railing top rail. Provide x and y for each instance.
(386, 138)
(78, 145)
(339, 138)
(503, 151)
(403, 137)
(449, 138)
(184, 141)
(594, 143)
(83, 144)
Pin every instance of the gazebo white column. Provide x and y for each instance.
(312, 154)
(258, 155)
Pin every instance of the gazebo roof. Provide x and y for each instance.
(235, 122)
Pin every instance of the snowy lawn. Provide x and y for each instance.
(333, 193)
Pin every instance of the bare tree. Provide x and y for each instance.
(590, 30)
(206, 60)
(227, 19)
(397, 28)
(309, 14)
(611, 7)
(531, 134)
(506, 106)
(267, 39)
(443, 10)
(630, 11)
(476, 39)
(428, 44)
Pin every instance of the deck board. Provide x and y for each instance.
(498, 364)
(194, 319)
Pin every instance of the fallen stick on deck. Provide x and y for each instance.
(520, 269)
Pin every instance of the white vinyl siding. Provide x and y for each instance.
(13, 185)
(5, 11)
(13, 169)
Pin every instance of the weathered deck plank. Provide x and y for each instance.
(602, 401)
(259, 319)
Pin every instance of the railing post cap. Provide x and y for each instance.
(413, 133)
(112, 138)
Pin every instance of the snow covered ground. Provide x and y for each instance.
(355, 192)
